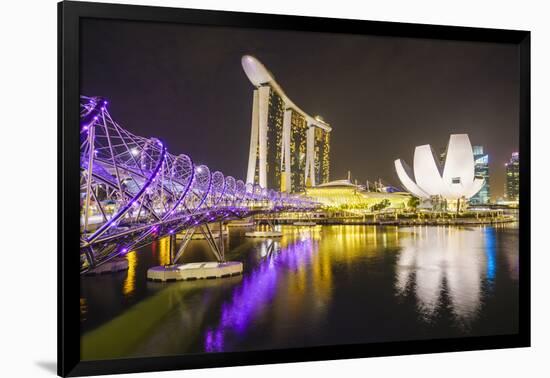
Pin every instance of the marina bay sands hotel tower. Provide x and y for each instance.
(289, 149)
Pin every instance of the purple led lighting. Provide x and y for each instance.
(125, 209)
(214, 341)
(257, 291)
(187, 194)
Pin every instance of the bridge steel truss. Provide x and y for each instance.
(133, 191)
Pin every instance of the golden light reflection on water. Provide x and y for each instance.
(293, 287)
(322, 276)
(129, 285)
(83, 308)
(164, 251)
(347, 243)
(311, 267)
(437, 265)
(160, 249)
(434, 264)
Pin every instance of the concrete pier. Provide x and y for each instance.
(195, 271)
(263, 234)
(304, 223)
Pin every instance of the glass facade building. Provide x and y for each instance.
(481, 170)
(512, 178)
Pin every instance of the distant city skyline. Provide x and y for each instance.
(382, 96)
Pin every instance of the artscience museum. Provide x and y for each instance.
(452, 180)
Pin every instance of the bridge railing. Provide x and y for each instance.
(133, 190)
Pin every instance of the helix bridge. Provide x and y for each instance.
(133, 191)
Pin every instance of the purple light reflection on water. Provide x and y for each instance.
(256, 292)
(213, 341)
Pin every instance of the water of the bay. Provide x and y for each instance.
(320, 285)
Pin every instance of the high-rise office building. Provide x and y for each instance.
(289, 149)
(512, 178)
(481, 170)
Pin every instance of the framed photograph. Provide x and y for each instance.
(251, 188)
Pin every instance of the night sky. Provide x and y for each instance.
(382, 96)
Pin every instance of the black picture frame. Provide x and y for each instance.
(69, 17)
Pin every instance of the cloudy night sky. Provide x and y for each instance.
(382, 96)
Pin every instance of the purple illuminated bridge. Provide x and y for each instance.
(133, 191)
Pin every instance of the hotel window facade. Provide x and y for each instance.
(298, 142)
(275, 116)
(322, 159)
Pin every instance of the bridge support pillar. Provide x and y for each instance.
(172, 248)
(263, 234)
(221, 245)
(269, 233)
(199, 270)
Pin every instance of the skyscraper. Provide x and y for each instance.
(289, 149)
(296, 176)
(322, 153)
(481, 170)
(512, 178)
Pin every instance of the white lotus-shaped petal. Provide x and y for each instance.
(403, 171)
(457, 179)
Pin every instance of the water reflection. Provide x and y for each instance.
(447, 263)
(259, 287)
(83, 309)
(314, 286)
(130, 281)
(490, 253)
(162, 249)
